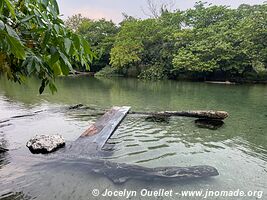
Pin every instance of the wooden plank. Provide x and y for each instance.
(104, 127)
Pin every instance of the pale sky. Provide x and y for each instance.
(113, 9)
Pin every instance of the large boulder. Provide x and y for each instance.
(45, 143)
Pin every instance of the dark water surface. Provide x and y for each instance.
(238, 149)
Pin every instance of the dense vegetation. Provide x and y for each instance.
(100, 34)
(34, 41)
(206, 42)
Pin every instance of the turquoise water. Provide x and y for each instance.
(238, 149)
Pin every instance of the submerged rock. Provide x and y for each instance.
(45, 143)
(209, 123)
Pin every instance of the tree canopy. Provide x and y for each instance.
(205, 41)
(35, 41)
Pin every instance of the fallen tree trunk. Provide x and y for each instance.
(207, 114)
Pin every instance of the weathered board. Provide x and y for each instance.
(104, 127)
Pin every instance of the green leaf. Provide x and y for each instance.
(86, 46)
(2, 25)
(12, 32)
(55, 6)
(67, 43)
(26, 19)
(45, 2)
(16, 47)
(54, 58)
(10, 8)
(66, 61)
(56, 69)
(43, 85)
(37, 65)
(76, 41)
(1, 6)
(52, 87)
(46, 38)
(64, 68)
(29, 64)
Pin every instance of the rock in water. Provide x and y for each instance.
(45, 143)
(209, 123)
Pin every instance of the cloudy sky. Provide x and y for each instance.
(112, 9)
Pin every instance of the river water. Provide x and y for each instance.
(238, 149)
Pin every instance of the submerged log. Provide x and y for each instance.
(21, 116)
(3, 150)
(158, 118)
(5, 125)
(207, 114)
(4, 120)
(120, 173)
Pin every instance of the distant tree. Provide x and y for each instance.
(100, 34)
(75, 21)
(204, 40)
(156, 8)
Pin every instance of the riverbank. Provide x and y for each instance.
(109, 72)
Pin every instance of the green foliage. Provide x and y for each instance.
(145, 43)
(230, 41)
(128, 46)
(74, 22)
(100, 34)
(201, 42)
(185, 60)
(34, 41)
(108, 71)
(204, 40)
(155, 72)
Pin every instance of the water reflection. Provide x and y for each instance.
(238, 147)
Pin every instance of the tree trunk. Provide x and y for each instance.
(206, 114)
